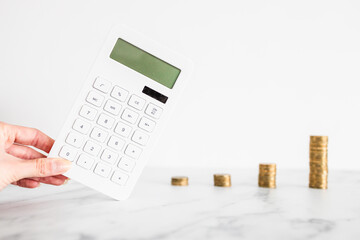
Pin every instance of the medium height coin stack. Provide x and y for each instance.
(318, 162)
(267, 175)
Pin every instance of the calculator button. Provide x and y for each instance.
(67, 153)
(74, 139)
(119, 178)
(116, 143)
(122, 129)
(112, 107)
(119, 93)
(81, 126)
(133, 151)
(129, 116)
(147, 124)
(102, 170)
(136, 102)
(140, 138)
(95, 98)
(88, 112)
(109, 156)
(153, 110)
(92, 148)
(102, 85)
(126, 164)
(98, 134)
(105, 121)
(85, 162)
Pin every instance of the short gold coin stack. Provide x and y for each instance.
(318, 162)
(267, 175)
(222, 180)
(180, 181)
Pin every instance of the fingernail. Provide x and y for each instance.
(62, 165)
(66, 181)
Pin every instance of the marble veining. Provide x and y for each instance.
(157, 210)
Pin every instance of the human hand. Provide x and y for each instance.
(23, 166)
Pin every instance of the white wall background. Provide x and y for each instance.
(267, 73)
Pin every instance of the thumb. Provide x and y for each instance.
(42, 167)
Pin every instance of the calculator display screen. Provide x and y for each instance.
(145, 63)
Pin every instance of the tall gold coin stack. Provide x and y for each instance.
(222, 180)
(267, 175)
(318, 162)
(179, 181)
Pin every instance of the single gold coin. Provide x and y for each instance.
(180, 181)
(318, 186)
(222, 180)
(319, 139)
(318, 164)
(267, 174)
(267, 170)
(267, 166)
(262, 176)
(318, 149)
(266, 184)
(322, 170)
(319, 146)
(318, 155)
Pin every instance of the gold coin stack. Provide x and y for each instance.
(267, 175)
(318, 162)
(179, 181)
(222, 180)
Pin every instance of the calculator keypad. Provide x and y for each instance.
(74, 139)
(68, 153)
(116, 143)
(147, 124)
(106, 121)
(81, 126)
(92, 148)
(140, 137)
(126, 164)
(112, 107)
(102, 85)
(85, 161)
(136, 102)
(129, 116)
(102, 170)
(119, 178)
(123, 129)
(109, 156)
(133, 151)
(119, 93)
(98, 134)
(95, 98)
(153, 111)
(112, 128)
(88, 112)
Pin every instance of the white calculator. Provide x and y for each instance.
(118, 116)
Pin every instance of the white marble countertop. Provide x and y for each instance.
(157, 210)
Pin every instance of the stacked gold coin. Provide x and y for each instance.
(318, 162)
(179, 181)
(222, 180)
(267, 175)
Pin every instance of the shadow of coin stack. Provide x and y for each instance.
(318, 162)
(267, 175)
